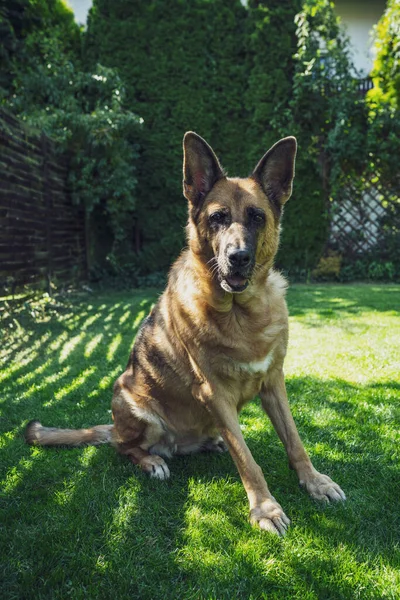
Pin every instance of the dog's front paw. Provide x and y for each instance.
(155, 466)
(321, 487)
(269, 516)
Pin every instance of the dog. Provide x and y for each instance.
(216, 338)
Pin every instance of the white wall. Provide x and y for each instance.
(359, 17)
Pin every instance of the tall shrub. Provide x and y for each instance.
(271, 45)
(183, 64)
(241, 76)
(21, 18)
(386, 71)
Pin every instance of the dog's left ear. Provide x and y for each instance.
(201, 168)
(275, 171)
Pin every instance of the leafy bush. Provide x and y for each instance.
(349, 140)
(83, 112)
(328, 267)
(274, 111)
(368, 268)
(386, 72)
(19, 19)
(322, 90)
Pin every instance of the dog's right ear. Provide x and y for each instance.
(201, 168)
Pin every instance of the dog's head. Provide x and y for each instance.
(234, 223)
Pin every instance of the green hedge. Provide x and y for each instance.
(224, 71)
(121, 95)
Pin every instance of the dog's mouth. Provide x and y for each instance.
(234, 283)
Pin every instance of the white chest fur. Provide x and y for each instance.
(259, 366)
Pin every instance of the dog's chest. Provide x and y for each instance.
(252, 356)
(257, 367)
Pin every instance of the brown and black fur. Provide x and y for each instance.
(216, 338)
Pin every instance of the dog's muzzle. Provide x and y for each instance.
(239, 265)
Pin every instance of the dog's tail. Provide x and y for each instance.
(38, 435)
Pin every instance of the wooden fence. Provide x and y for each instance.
(42, 235)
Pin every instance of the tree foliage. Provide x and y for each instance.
(383, 138)
(321, 92)
(222, 70)
(383, 101)
(82, 110)
(386, 71)
(271, 45)
(241, 76)
(350, 138)
(21, 19)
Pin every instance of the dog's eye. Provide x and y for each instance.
(256, 216)
(218, 217)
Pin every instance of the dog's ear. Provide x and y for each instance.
(275, 171)
(201, 169)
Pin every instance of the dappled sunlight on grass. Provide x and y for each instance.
(113, 347)
(64, 494)
(111, 312)
(24, 357)
(123, 514)
(16, 474)
(90, 320)
(42, 383)
(70, 346)
(140, 316)
(56, 344)
(24, 379)
(73, 385)
(106, 381)
(124, 317)
(92, 344)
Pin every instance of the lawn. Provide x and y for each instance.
(84, 523)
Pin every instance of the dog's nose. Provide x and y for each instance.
(239, 258)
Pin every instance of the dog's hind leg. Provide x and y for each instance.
(135, 431)
(152, 464)
(215, 444)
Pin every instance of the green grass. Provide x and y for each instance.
(83, 523)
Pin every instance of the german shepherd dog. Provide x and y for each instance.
(216, 338)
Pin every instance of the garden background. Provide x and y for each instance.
(117, 96)
(91, 127)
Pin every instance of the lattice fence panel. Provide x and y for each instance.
(358, 215)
